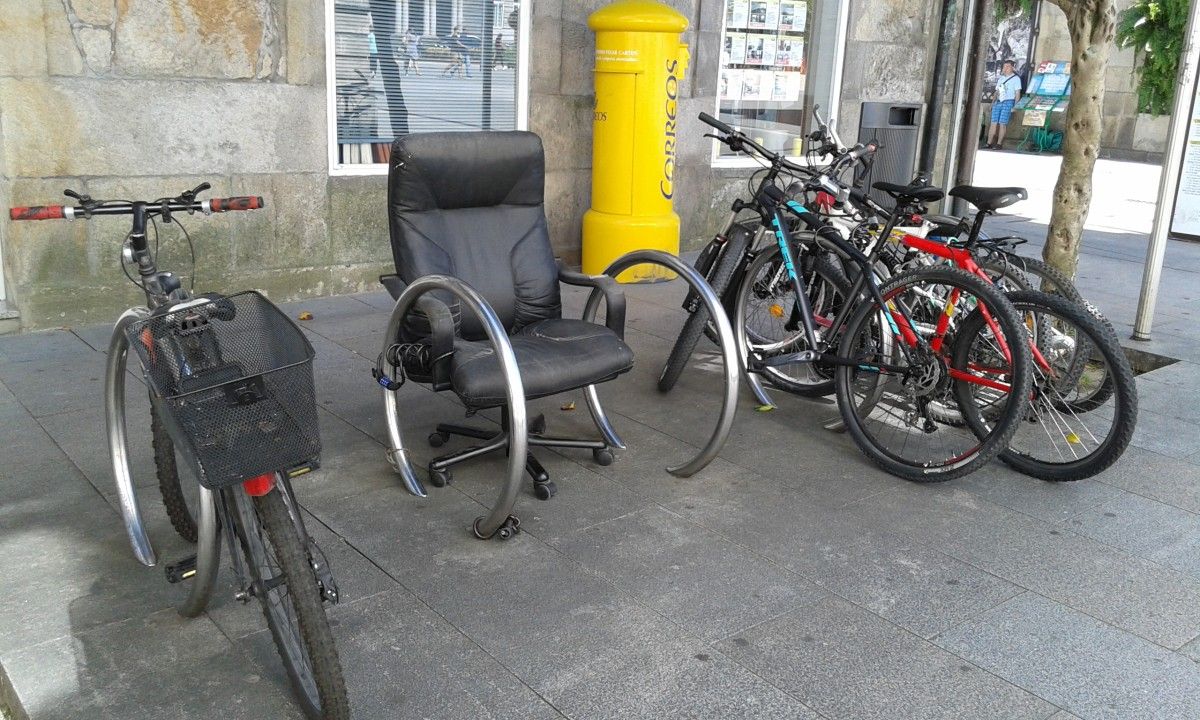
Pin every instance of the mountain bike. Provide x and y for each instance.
(231, 391)
(889, 363)
(1083, 409)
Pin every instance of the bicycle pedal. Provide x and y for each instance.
(790, 359)
(180, 571)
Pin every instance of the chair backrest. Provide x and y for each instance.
(470, 205)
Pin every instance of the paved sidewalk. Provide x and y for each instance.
(790, 579)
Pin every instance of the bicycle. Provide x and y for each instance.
(1078, 367)
(230, 382)
(889, 366)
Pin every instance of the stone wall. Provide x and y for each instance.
(121, 98)
(1126, 134)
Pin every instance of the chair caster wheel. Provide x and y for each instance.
(507, 529)
(439, 478)
(544, 490)
(603, 457)
(438, 439)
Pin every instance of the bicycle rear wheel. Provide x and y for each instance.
(886, 395)
(286, 585)
(693, 327)
(1060, 441)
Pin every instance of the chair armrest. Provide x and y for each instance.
(430, 317)
(614, 298)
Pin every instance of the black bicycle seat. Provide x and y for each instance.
(920, 193)
(989, 198)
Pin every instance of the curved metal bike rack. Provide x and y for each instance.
(118, 449)
(208, 556)
(485, 526)
(731, 361)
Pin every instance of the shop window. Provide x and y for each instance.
(779, 59)
(401, 66)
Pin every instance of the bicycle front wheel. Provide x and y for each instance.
(900, 368)
(1060, 440)
(286, 585)
(693, 327)
(766, 309)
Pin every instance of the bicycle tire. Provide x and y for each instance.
(830, 273)
(988, 446)
(693, 327)
(169, 485)
(1048, 273)
(1118, 373)
(312, 638)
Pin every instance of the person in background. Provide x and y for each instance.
(372, 47)
(1008, 92)
(412, 53)
(498, 53)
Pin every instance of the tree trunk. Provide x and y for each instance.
(1092, 24)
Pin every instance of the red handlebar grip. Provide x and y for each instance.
(253, 202)
(36, 212)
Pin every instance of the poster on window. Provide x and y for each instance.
(772, 22)
(735, 48)
(787, 86)
(1012, 40)
(754, 48)
(1185, 221)
(758, 14)
(730, 84)
(789, 52)
(769, 46)
(738, 14)
(757, 84)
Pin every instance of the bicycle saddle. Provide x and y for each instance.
(989, 198)
(920, 193)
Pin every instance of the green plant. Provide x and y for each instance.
(1155, 30)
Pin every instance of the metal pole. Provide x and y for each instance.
(960, 90)
(1168, 184)
(981, 33)
(937, 91)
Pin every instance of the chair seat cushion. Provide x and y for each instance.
(553, 355)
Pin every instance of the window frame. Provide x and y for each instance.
(719, 161)
(523, 32)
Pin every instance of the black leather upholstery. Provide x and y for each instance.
(986, 198)
(553, 355)
(470, 205)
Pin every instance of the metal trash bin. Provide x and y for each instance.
(897, 127)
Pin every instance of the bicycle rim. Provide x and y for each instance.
(886, 397)
(1058, 440)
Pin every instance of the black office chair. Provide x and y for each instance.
(470, 205)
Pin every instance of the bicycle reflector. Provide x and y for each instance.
(260, 485)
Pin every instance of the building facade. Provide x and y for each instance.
(282, 98)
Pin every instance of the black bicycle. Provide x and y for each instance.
(888, 362)
(232, 399)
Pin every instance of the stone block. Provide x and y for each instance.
(280, 285)
(691, 147)
(1120, 79)
(358, 216)
(568, 196)
(693, 201)
(705, 67)
(578, 58)
(96, 45)
(1150, 132)
(293, 229)
(64, 54)
(565, 124)
(175, 130)
(545, 56)
(548, 8)
(901, 22)
(305, 60)
(201, 38)
(892, 72)
(23, 51)
(44, 252)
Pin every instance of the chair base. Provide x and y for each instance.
(543, 487)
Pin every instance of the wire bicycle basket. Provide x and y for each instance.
(233, 378)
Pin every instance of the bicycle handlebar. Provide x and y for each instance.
(73, 212)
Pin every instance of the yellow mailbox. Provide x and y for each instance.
(639, 72)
